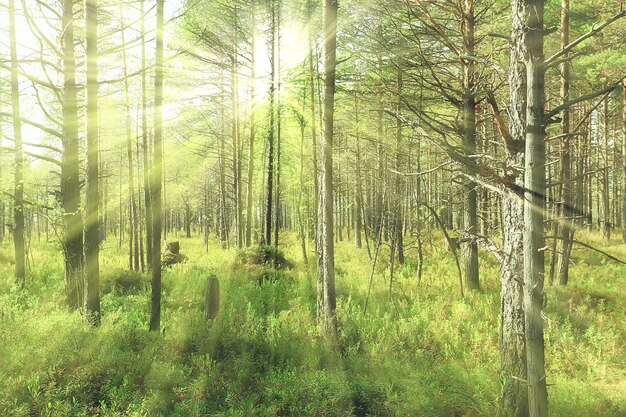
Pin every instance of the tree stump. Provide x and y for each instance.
(174, 247)
(211, 298)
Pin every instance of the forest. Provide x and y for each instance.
(312, 208)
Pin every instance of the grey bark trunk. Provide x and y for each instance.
(534, 209)
(469, 250)
(606, 216)
(155, 311)
(92, 226)
(147, 176)
(18, 204)
(270, 133)
(249, 194)
(328, 258)
(235, 136)
(70, 181)
(567, 225)
(133, 249)
(514, 402)
(624, 159)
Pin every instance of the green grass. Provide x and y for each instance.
(425, 353)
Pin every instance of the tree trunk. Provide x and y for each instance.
(155, 312)
(277, 212)
(514, 402)
(2, 207)
(469, 249)
(270, 133)
(397, 211)
(70, 181)
(133, 240)
(222, 168)
(316, 169)
(301, 191)
(606, 216)
(534, 208)
(249, 194)
(358, 218)
(18, 205)
(624, 159)
(567, 225)
(92, 229)
(147, 176)
(234, 78)
(328, 258)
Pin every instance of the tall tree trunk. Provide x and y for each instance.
(222, 168)
(316, 167)
(92, 226)
(235, 134)
(301, 191)
(514, 402)
(606, 216)
(157, 215)
(18, 205)
(328, 259)
(358, 223)
(70, 181)
(534, 208)
(140, 224)
(278, 221)
(249, 194)
(624, 159)
(567, 225)
(470, 218)
(147, 176)
(133, 249)
(2, 207)
(581, 174)
(270, 133)
(397, 211)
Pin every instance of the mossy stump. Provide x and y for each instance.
(171, 255)
(211, 298)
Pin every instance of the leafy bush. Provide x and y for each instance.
(122, 281)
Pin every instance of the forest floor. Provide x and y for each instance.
(427, 353)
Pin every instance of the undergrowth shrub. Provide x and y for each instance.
(122, 281)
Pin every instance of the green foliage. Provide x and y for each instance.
(266, 255)
(122, 281)
(428, 352)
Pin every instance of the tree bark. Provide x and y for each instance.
(70, 181)
(514, 402)
(469, 250)
(92, 226)
(534, 208)
(271, 129)
(328, 258)
(147, 176)
(301, 191)
(567, 225)
(316, 168)
(624, 159)
(133, 240)
(18, 204)
(606, 215)
(277, 211)
(2, 206)
(398, 226)
(358, 217)
(234, 78)
(249, 194)
(155, 312)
